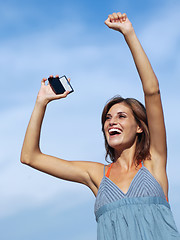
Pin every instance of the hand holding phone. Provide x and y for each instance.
(60, 84)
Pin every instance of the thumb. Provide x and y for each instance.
(63, 95)
(107, 22)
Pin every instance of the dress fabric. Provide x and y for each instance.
(142, 213)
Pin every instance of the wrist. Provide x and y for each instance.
(129, 33)
(41, 102)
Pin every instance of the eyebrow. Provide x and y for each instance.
(108, 114)
(121, 112)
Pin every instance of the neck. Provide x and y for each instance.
(125, 157)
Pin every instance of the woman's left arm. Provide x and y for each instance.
(158, 149)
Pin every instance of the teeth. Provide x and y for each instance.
(114, 130)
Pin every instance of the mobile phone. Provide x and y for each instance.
(60, 84)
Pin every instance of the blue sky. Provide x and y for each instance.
(39, 38)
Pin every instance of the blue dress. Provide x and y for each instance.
(143, 213)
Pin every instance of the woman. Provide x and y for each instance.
(132, 192)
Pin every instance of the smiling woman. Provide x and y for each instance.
(138, 112)
(132, 192)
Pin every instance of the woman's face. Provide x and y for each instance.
(120, 127)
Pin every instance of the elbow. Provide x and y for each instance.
(25, 158)
(28, 157)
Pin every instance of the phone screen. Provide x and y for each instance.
(60, 85)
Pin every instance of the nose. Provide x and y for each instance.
(113, 121)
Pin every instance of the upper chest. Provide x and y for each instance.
(123, 179)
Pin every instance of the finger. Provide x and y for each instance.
(66, 93)
(119, 15)
(69, 79)
(58, 96)
(115, 16)
(43, 81)
(111, 18)
(57, 76)
(51, 76)
(108, 22)
(124, 16)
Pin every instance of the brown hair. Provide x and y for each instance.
(139, 113)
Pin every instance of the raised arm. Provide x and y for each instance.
(121, 23)
(77, 171)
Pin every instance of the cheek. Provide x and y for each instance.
(105, 128)
(132, 129)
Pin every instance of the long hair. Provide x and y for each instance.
(143, 139)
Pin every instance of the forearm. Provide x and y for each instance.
(32, 136)
(121, 23)
(144, 68)
(30, 147)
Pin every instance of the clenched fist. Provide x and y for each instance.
(119, 22)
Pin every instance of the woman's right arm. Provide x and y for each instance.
(77, 171)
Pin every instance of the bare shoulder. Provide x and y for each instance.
(90, 166)
(95, 172)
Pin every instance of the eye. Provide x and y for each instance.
(107, 117)
(122, 116)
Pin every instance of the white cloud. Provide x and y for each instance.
(99, 71)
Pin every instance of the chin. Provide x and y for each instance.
(120, 146)
(115, 145)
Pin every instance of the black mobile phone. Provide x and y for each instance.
(60, 84)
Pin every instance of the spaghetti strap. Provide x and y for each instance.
(142, 164)
(104, 169)
(119, 213)
(108, 171)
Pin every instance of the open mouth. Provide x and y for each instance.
(114, 131)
